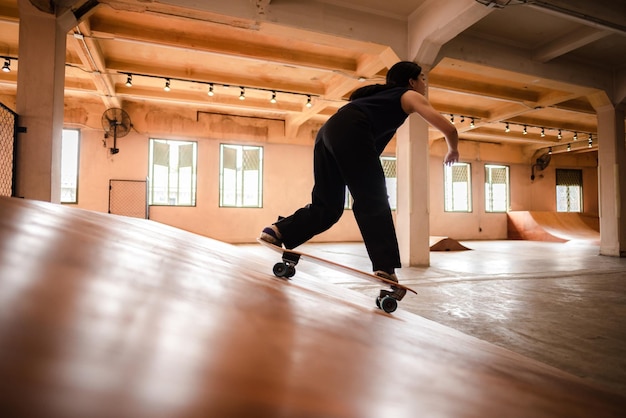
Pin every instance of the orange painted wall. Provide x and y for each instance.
(288, 174)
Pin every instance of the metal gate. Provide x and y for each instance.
(128, 198)
(8, 135)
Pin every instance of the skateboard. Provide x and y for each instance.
(387, 300)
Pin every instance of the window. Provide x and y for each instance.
(389, 168)
(172, 166)
(241, 176)
(569, 190)
(496, 188)
(69, 165)
(457, 188)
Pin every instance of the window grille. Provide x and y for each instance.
(457, 188)
(496, 188)
(8, 129)
(569, 184)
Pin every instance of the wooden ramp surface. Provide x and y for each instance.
(445, 244)
(552, 226)
(106, 316)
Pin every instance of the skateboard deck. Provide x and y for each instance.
(387, 300)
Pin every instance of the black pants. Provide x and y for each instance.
(345, 154)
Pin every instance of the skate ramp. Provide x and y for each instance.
(445, 244)
(553, 226)
(103, 315)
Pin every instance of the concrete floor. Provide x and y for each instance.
(561, 304)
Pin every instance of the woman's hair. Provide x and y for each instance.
(398, 76)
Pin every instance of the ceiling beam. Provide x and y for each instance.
(92, 59)
(435, 22)
(569, 42)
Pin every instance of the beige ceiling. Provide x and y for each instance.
(525, 64)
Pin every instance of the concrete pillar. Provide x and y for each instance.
(612, 181)
(39, 101)
(412, 214)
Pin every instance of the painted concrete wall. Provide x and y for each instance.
(288, 174)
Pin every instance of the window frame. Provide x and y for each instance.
(193, 176)
(450, 188)
(569, 187)
(76, 174)
(488, 183)
(240, 180)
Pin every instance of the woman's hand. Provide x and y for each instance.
(451, 157)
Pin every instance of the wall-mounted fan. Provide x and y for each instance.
(542, 162)
(116, 122)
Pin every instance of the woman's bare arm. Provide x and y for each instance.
(413, 102)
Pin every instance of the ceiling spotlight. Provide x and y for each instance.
(543, 132)
(462, 118)
(525, 132)
(6, 68)
(273, 99)
(590, 143)
(210, 92)
(560, 135)
(129, 80)
(569, 147)
(575, 136)
(452, 119)
(472, 125)
(507, 128)
(167, 85)
(242, 94)
(550, 150)
(308, 101)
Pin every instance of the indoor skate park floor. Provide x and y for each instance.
(110, 316)
(559, 303)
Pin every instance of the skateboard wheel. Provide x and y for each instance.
(387, 304)
(281, 270)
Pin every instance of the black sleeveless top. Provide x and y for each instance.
(384, 112)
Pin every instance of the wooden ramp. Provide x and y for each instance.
(553, 226)
(445, 244)
(107, 316)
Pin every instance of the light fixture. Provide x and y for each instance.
(543, 132)
(569, 147)
(550, 150)
(452, 119)
(273, 99)
(242, 94)
(6, 68)
(507, 128)
(211, 93)
(472, 123)
(308, 101)
(167, 85)
(590, 141)
(560, 136)
(129, 80)
(525, 132)
(462, 118)
(575, 136)
(362, 79)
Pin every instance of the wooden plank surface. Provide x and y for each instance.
(102, 315)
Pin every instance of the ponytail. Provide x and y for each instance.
(398, 76)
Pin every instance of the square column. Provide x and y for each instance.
(413, 205)
(39, 102)
(612, 181)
